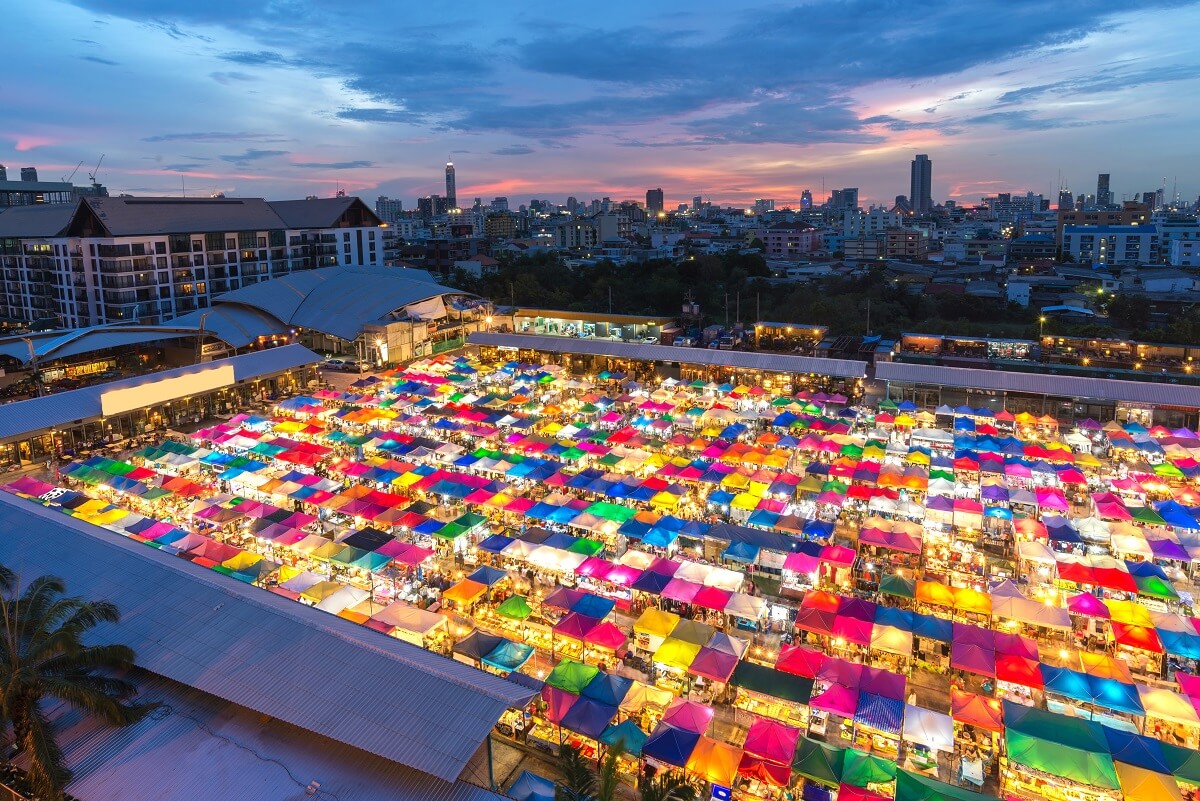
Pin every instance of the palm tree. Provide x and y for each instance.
(669, 786)
(607, 780)
(579, 783)
(43, 656)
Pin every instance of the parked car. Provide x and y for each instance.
(335, 364)
(650, 340)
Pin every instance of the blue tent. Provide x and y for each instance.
(589, 717)
(593, 606)
(625, 735)
(670, 745)
(495, 543)
(651, 582)
(933, 628)
(608, 688)
(660, 537)
(1137, 750)
(508, 656)
(488, 575)
(741, 552)
(892, 616)
(531, 787)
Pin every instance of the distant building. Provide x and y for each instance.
(1184, 253)
(29, 174)
(864, 248)
(920, 195)
(451, 190)
(1104, 196)
(654, 200)
(1032, 247)
(1111, 244)
(791, 241)
(806, 199)
(500, 204)
(500, 225)
(763, 206)
(906, 243)
(1129, 214)
(841, 199)
(388, 209)
(1065, 201)
(697, 202)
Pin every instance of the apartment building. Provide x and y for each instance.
(151, 259)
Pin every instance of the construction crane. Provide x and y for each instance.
(92, 175)
(67, 179)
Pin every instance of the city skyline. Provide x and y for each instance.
(247, 100)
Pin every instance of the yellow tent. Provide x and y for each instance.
(656, 623)
(676, 653)
(642, 695)
(745, 501)
(242, 561)
(321, 590)
(1139, 784)
(934, 592)
(664, 498)
(1130, 613)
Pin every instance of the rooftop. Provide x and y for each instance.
(1041, 383)
(37, 221)
(42, 414)
(771, 362)
(264, 652)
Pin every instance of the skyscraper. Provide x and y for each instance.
(1065, 200)
(388, 209)
(920, 193)
(29, 174)
(1103, 193)
(654, 200)
(806, 199)
(451, 193)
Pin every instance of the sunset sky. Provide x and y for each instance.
(733, 101)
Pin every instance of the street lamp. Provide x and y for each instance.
(1041, 326)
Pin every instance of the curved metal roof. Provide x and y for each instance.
(337, 301)
(61, 344)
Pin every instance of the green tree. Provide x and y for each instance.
(669, 786)
(578, 782)
(43, 656)
(607, 780)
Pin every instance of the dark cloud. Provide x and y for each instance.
(180, 167)
(1109, 79)
(227, 78)
(174, 31)
(106, 62)
(260, 58)
(333, 165)
(897, 124)
(379, 115)
(513, 150)
(251, 155)
(215, 136)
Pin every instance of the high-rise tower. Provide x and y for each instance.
(1104, 196)
(920, 193)
(451, 194)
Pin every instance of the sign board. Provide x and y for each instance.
(152, 393)
(720, 793)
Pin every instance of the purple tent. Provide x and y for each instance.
(713, 664)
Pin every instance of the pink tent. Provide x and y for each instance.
(841, 671)
(1087, 604)
(772, 741)
(837, 699)
(575, 626)
(689, 715)
(623, 574)
(800, 661)
(710, 597)
(682, 590)
(837, 554)
(853, 630)
(606, 635)
(594, 567)
(558, 702)
(801, 563)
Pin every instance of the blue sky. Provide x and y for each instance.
(283, 98)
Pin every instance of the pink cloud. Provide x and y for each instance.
(26, 142)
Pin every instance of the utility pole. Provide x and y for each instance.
(868, 317)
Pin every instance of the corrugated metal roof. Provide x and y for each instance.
(37, 221)
(264, 652)
(237, 326)
(337, 300)
(61, 344)
(154, 216)
(41, 414)
(1042, 384)
(771, 362)
(199, 746)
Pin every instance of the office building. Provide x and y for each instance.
(697, 202)
(843, 199)
(654, 200)
(388, 209)
(920, 194)
(762, 206)
(451, 191)
(1065, 201)
(151, 259)
(806, 199)
(29, 174)
(1130, 213)
(791, 241)
(1104, 196)
(500, 204)
(1111, 244)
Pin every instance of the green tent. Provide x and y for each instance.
(948, 475)
(888, 405)
(1146, 516)
(763, 680)
(469, 521)
(586, 547)
(612, 460)
(914, 787)
(571, 676)
(1184, 763)
(860, 769)
(572, 454)
(515, 607)
(1073, 748)
(611, 511)
(450, 531)
(892, 584)
(819, 762)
